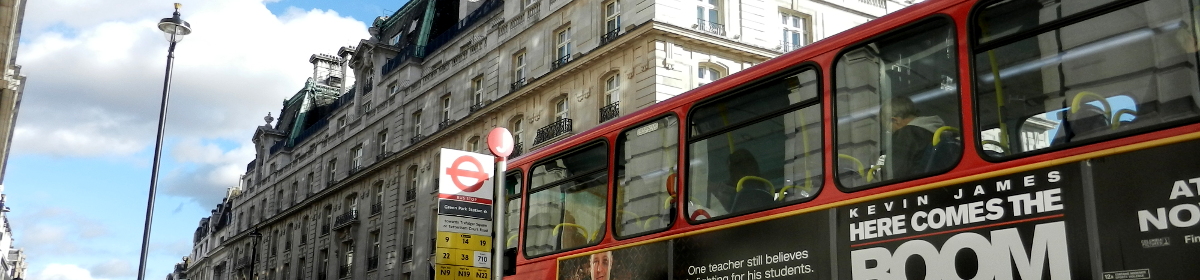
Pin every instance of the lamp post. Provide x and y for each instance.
(174, 29)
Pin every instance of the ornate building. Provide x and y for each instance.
(343, 182)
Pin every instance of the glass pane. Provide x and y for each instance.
(897, 107)
(512, 189)
(755, 167)
(767, 98)
(1009, 17)
(647, 167)
(712, 16)
(1129, 69)
(567, 216)
(591, 159)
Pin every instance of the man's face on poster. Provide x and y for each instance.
(601, 265)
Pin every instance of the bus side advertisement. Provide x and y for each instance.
(1124, 216)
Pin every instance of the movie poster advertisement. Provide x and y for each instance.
(794, 247)
(1148, 205)
(643, 262)
(1027, 225)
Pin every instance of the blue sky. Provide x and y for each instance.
(78, 176)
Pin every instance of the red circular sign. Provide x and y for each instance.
(500, 142)
(456, 171)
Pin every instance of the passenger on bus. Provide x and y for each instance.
(911, 136)
(754, 193)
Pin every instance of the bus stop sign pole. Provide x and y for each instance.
(500, 143)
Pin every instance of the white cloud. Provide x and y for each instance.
(95, 71)
(114, 268)
(57, 271)
(56, 231)
(210, 173)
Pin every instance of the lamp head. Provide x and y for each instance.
(173, 27)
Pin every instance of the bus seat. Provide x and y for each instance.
(944, 150)
(752, 192)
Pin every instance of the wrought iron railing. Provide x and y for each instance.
(611, 111)
(344, 271)
(372, 262)
(376, 208)
(479, 106)
(555, 129)
(407, 253)
(710, 27)
(876, 3)
(446, 123)
(518, 149)
(610, 36)
(561, 61)
(345, 219)
(410, 194)
(517, 85)
(416, 139)
(788, 46)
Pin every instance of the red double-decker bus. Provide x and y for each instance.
(1013, 139)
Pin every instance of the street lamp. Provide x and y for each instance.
(175, 29)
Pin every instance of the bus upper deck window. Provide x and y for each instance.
(755, 149)
(567, 202)
(897, 106)
(645, 178)
(1081, 80)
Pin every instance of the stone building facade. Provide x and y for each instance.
(343, 183)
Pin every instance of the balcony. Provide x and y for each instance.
(372, 263)
(786, 46)
(558, 128)
(710, 27)
(407, 253)
(345, 219)
(876, 3)
(446, 123)
(517, 85)
(376, 209)
(410, 194)
(344, 271)
(415, 139)
(479, 106)
(610, 36)
(611, 111)
(518, 148)
(561, 61)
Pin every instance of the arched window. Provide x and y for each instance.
(516, 127)
(708, 73)
(472, 144)
(410, 192)
(561, 109)
(612, 88)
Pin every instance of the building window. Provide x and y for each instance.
(561, 110)
(332, 168)
(612, 86)
(395, 40)
(356, 157)
(382, 137)
(795, 31)
(416, 123)
(366, 107)
(472, 144)
(515, 125)
(612, 16)
(518, 71)
(707, 74)
(562, 47)
(477, 90)
(393, 88)
(708, 16)
(341, 122)
(445, 107)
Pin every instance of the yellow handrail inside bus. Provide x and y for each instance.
(510, 240)
(646, 224)
(1116, 119)
(937, 135)
(856, 162)
(1075, 102)
(999, 88)
(1002, 147)
(754, 178)
(555, 231)
(725, 120)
